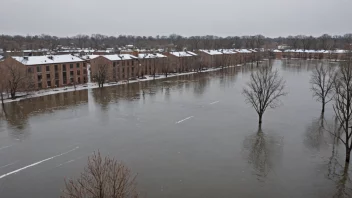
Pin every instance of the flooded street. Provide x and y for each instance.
(185, 136)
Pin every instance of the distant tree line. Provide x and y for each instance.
(174, 41)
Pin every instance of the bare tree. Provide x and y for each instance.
(114, 73)
(343, 104)
(102, 178)
(322, 81)
(264, 90)
(16, 77)
(165, 65)
(101, 74)
(3, 85)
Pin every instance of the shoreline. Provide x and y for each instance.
(95, 85)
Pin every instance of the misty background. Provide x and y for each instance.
(186, 17)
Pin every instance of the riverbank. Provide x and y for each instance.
(22, 96)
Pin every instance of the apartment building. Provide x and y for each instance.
(118, 66)
(182, 61)
(245, 55)
(50, 71)
(152, 63)
(210, 58)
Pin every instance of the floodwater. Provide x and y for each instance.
(186, 136)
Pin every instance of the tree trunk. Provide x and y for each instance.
(260, 119)
(323, 107)
(2, 99)
(13, 95)
(348, 154)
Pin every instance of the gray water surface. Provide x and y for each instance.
(186, 136)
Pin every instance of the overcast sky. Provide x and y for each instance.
(185, 17)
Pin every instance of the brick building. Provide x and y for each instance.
(118, 66)
(210, 58)
(182, 61)
(152, 63)
(245, 55)
(51, 70)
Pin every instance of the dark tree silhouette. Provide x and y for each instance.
(101, 74)
(322, 81)
(343, 103)
(264, 90)
(103, 177)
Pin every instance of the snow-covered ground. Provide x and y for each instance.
(91, 85)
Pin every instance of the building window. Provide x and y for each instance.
(57, 83)
(48, 77)
(78, 72)
(77, 65)
(71, 73)
(49, 83)
(56, 76)
(71, 66)
(39, 69)
(123, 70)
(85, 71)
(114, 64)
(123, 63)
(128, 63)
(39, 85)
(47, 68)
(39, 78)
(30, 70)
(84, 65)
(64, 67)
(56, 68)
(132, 69)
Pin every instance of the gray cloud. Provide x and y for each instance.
(185, 17)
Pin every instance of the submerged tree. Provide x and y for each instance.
(101, 74)
(264, 90)
(3, 85)
(343, 104)
(103, 177)
(322, 81)
(16, 78)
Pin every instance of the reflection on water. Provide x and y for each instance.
(262, 151)
(17, 113)
(315, 135)
(339, 173)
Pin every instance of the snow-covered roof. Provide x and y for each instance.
(228, 51)
(76, 51)
(183, 54)
(211, 52)
(47, 59)
(277, 51)
(339, 51)
(156, 55)
(89, 57)
(315, 51)
(115, 57)
(243, 51)
(192, 53)
(219, 52)
(295, 50)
